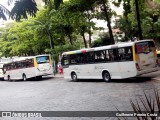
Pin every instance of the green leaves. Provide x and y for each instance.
(149, 19)
(22, 8)
(53, 3)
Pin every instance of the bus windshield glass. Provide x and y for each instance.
(42, 59)
(145, 47)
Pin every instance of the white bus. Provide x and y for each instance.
(28, 67)
(119, 61)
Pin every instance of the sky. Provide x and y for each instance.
(4, 3)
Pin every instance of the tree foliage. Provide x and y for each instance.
(149, 19)
(23, 8)
(70, 25)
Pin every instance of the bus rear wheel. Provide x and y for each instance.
(39, 77)
(74, 77)
(9, 78)
(24, 77)
(106, 76)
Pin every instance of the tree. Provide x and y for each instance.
(138, 19)
(53, 3)
(83, 12)
(149, 20)
(103, 40)
(126, 26)
(106, 12)
(23, 8)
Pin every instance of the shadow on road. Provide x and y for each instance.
(133, 80)
(31, 80)
(1, 79)
(128, 80)
(43, 79)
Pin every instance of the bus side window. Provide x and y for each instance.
(125, 53)
(23, 64)
(65, 60)
(72, 59)
(111, 55)
(31, 62)
(78, 58)
(91, 57)
(85, 58)
(121, 53)
(128, 53)
(100, 56)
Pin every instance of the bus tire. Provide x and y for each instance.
(24, 77)
(39, 77)
(9, 78)
(74, 77)
(106, 76)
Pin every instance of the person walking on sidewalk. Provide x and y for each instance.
(60, 69)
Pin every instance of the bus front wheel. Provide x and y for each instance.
(106, 76)
(74, 77)
(24, 77)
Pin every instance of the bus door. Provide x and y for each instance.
(82, 65)
(146, 55)
(114, 66)
(125, 60)
(65, 64)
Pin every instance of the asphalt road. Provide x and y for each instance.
(57, 94)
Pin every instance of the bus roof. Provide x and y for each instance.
(28, 57)
(42, 55)
(122, 44)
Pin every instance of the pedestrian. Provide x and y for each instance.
(60, 70)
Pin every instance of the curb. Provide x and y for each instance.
(58, 76)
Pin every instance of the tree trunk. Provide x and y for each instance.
(89, 31)
(50, 39)
(84, 40)
(108, 22)
(70, 39)
(127, 32)
(138, 20)
(90, 39)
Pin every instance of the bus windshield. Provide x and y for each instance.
(42, 59)
(145, 47)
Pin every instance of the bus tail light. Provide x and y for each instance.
(137, 66)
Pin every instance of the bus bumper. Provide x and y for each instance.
(139, 73)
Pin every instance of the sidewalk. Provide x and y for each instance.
(57, 75)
